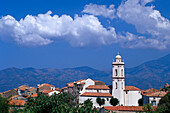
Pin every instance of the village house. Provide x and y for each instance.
(153, 97)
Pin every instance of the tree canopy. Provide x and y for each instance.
(114, 101)
(100, 101)
(4, 107)
(164, 104)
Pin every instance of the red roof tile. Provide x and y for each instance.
(63, 88)
(156, 94)
(31, 89)
(17, 102)
(132, 88)
(34, 95)
(90, 94)
(70, 84)
(126, 108)
(98, 87)
(48, 85)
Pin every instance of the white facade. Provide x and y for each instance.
(118, 80)
(88, 82)
(53, 92)
(93, 99)
(132, 97)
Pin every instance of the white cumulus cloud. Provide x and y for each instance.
(44, 29)
(146, 21)
(100, 10)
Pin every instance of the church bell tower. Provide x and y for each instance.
(118, 79)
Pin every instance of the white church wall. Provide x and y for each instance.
(88, 82)
(132, 97)
(93, 99)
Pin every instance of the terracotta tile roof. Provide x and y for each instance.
(130, 108)
(151, 90)
(98, 87)
(63, 88)
(31, 89)
(17, 102)
(80, 82)
(48, 85)
(156, 94)
(47, 91)
(132, 88)
(57, 89)
(14, 96)
(90, 94)
(126, 108)
(34, 95)
(71, 84)
(112, 108)
(24, 88)
(7, 91)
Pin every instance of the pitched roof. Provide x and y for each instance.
(90, 94)
(132, 88)
(156, 94)
(7, 91)
(71, 84)
(24, 88)
(34, 95)
(57, 89)
(63, 88)
(48, 91)
(17, 102)
(48, 85)
(126, 108)
(98, 87)
(14, 96)
(31, 89)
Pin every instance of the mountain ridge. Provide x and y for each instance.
(149, 74)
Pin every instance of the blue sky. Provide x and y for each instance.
(71, 33)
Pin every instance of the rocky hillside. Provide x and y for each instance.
(150, 74)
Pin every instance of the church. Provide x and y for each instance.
(91, 89)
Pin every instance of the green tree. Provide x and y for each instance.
(100, 101)
(164, 104)
(140, 102)
(114, 101)
(148, 108)
(61, 103)
(4, 106)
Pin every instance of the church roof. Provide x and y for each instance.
(98, 87)
(92, 94)
(131, 88)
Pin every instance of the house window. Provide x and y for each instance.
(97, 90)
(116, 85)
(107, 99)
(153, 103)
(126, 92)
(115, 72)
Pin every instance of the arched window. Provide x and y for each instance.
(122, 72)
(115, 72)
(122, 85)
(116, 85)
